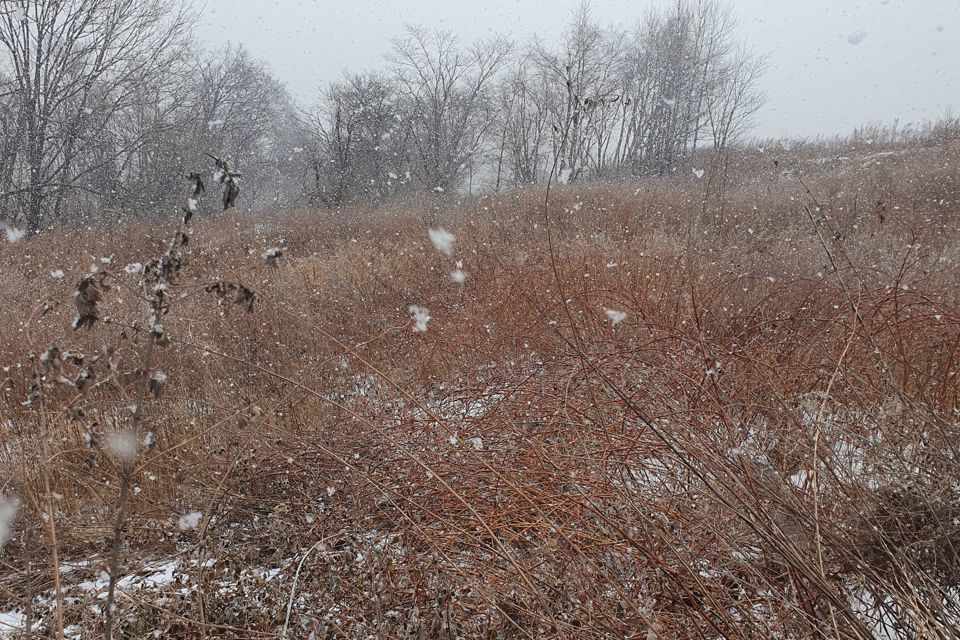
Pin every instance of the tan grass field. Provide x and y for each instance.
(764, 446)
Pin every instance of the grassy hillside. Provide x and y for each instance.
(686, 407)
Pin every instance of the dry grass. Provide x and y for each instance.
(764, 447)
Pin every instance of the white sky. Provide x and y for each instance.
(906, 67)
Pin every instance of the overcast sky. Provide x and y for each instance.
(832, 64)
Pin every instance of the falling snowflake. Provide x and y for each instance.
(190, 520)
(670, 102)
(122, 445)
(442, 239)
(14, 235)
(616, 317)
(857, 37)
(57, 274)
(421, 317)
(8, 513)
(698, 173)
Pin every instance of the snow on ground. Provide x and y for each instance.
(152, 576)
(11, 621)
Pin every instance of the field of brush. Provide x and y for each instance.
(676, 407)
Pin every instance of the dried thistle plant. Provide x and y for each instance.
(88, 294)
(234, 292)
(157, 277)
(191, 203)
(272, 256)
(230, 180)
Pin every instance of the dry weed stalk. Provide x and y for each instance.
(158, 278)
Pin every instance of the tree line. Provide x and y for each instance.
(106, 104)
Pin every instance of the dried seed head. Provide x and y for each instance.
(240, 294)
(270, 256)
(87, 296)
(85, 379)
(157, 380)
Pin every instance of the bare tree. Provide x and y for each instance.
(146, 178)
(525, 117)
(72, 67)
(240, 112)
(730, 108)
(9, 138)
(357, 143)
(684, 80)
(734, 101)
(104, 104)
(583, 78)
(445, 92)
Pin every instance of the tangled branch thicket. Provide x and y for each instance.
(758, 441)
